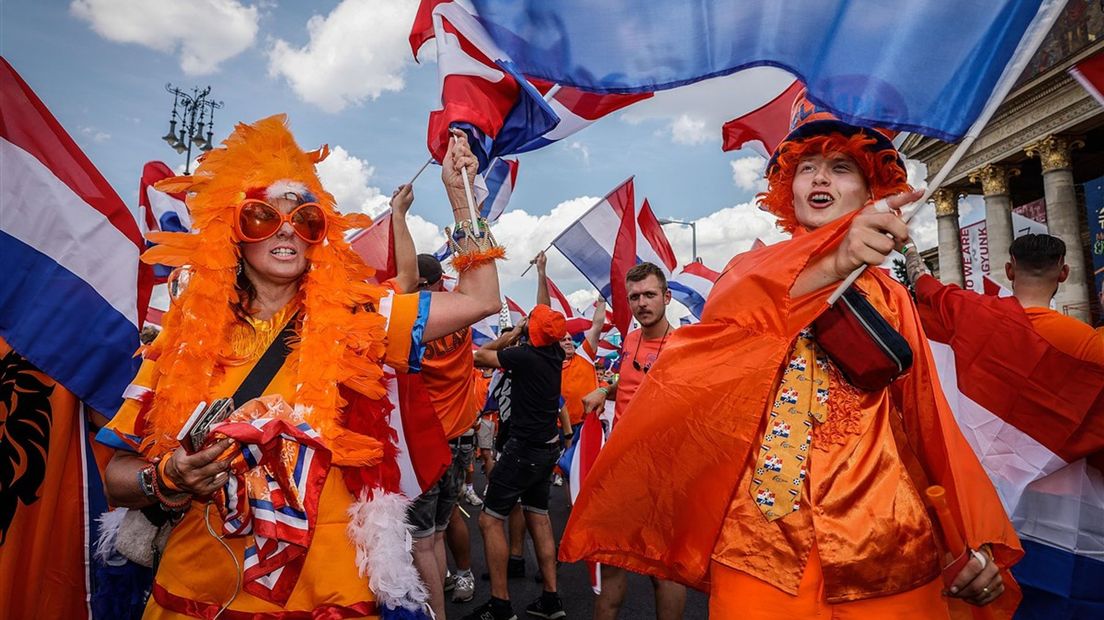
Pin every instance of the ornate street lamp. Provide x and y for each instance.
(195, 112)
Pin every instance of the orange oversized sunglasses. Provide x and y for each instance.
(257, 220)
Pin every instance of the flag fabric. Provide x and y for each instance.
(161, 211)
(575, 323)
(50, 496)
(608, 240)
(482, 92)
(577, 109)
(1090, 73)
(932, 76)
(1032, 414)
(423, 452)
(374, 245)
(593, 241)
(586, 448)
(651, 242)
(499, 178)
(691, 287)
(277, 510)
(517, 313)
(484, 331)
(764, 128)
(989, 286)
(73, 292)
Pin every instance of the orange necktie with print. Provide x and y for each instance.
(802, 397)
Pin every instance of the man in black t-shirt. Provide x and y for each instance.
(527, 460)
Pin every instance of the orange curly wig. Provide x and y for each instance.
(343, 343)
(884, 175)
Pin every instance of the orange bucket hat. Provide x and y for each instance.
(546, 326)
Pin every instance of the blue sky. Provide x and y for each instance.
(343, 73)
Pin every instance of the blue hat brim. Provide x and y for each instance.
(829, 126)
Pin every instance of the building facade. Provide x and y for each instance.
(1038, 164)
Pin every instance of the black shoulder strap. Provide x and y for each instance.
(254, 385)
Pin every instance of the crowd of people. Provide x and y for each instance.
(773, 455)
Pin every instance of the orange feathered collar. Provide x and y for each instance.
(344, 345)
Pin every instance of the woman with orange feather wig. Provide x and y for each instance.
(797, 493)
(293, 507)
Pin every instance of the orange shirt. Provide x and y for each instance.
(645, 353)
(449, 382)
(578, 380)
(703, 408)
(859, 508)
(1067, 334)
(196, 570)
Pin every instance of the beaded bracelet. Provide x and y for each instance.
(486, 248)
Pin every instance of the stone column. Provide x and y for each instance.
(1062, 218)
(998, 215)
(950, 236)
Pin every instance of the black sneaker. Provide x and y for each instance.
(487, 611)
(515, 569)
(548, 605)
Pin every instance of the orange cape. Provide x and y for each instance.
(655, 500)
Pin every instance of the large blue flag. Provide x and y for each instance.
(912, 65)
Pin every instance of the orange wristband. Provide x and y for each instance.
(164, 478)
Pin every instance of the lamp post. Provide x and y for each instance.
(693, 234)
(194, 111)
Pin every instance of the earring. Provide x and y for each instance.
(241, 266)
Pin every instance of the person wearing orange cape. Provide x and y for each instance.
(798, 493)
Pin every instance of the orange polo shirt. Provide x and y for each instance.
(644, 353)
(447, 375)
(578, 380)
(1068, 334)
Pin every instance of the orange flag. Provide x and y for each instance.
(43, 525)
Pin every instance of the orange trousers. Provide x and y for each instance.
(737, 595)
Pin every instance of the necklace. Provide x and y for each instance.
(662, 342)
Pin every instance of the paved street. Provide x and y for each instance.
(574, 585)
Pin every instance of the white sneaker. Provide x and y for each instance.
(464, 588)
(470, 497)
(557, 480)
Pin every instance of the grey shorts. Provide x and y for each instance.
(485, 434)
(431, 510)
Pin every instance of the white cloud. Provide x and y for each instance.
(95, 134)
(203, 32)
(581, 149)
(524, 235)
(347, 178)
(724, 234)
(694, 114)
(686, 129)
(357, 52)
(582, 298)
(747, 173)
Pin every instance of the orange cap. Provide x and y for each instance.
(546, 326)
(808, 120)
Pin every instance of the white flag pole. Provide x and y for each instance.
(1029, 44)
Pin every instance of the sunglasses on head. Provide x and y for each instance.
(257, 220)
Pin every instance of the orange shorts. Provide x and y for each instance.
(736, 594)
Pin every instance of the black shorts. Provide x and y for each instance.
(430, 511)
(524, 472)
